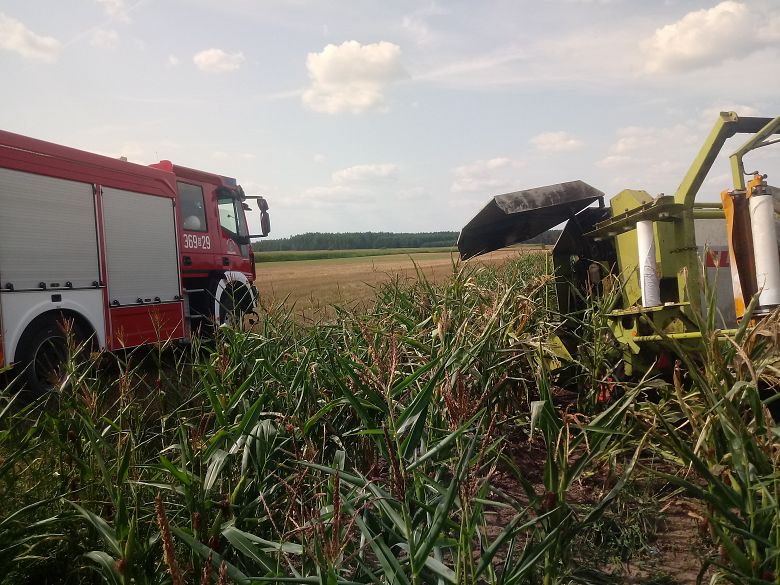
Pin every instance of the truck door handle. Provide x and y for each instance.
(225, 261)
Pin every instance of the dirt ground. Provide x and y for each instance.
(672, 555)
(310, 287)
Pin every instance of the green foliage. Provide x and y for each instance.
(382, 448)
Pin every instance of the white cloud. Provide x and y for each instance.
(220, 155)
(218, 61)
(319, 158)
(16, 37)
(351, 77)
(173, 61)
(709, 37)
(556, 142)
(490, 175)
(359, 185)
(644, 48)
(105, 39)
(115, 8)
(653, 159)
(366, 173)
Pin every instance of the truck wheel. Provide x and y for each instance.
(227, 312)
(43, 353)
(233, 305)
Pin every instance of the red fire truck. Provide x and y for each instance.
(124, 254)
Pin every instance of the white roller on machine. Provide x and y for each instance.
(648, 278)
(762, 219)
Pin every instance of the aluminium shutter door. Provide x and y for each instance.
(47, 231)
(141, 254)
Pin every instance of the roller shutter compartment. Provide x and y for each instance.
(141, 253)
(47, 232)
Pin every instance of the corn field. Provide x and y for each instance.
(424, 441)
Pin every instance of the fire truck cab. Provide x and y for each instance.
(113, 253)
(217, 261)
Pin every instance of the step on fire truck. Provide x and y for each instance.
(119, 254)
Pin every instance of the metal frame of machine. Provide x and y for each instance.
(655, 247)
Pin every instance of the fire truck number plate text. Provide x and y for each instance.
(196, 241)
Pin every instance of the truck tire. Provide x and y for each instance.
(234, 303)
(227, 309)
(43, 352)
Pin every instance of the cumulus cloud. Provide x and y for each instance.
(555, 142)
(351, 77)
(319, 158)
(218, 61)
(16, 37)
(366, 173)
(495, 174)
(173, 61)
(711, 36)
(105, 39)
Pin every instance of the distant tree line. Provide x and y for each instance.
(358, 240)
(373, 241)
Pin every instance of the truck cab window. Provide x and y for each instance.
(228, 215)
(231, 218)
(193, 209)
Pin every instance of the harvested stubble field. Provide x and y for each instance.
(424, 440)
(310, 288)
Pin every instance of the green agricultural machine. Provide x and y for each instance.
(657, 250)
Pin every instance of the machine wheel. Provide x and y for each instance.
(43, 352)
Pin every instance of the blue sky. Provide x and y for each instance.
(353, 115)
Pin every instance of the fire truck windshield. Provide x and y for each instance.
(231, 215)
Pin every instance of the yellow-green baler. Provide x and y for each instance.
(653, 247)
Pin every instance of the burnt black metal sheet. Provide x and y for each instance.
(516, 217)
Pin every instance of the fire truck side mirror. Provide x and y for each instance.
(265, 229)
(265, 221)
(262, 204)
